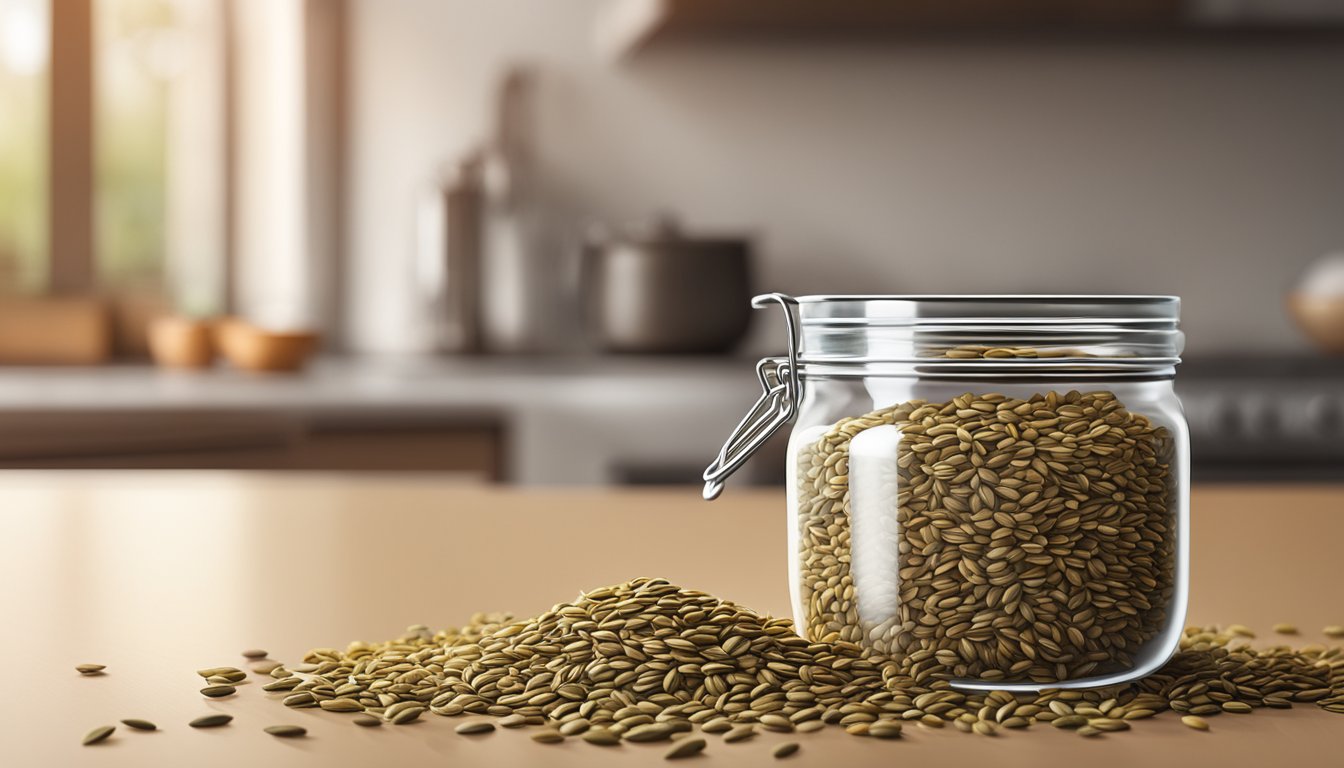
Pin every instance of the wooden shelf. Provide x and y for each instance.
(627, 27)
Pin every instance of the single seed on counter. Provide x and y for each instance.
(785, 750)
(1088, 731)
(368, 721)
(473, 728)
(548, 736)
(211, 721)
(98, 734)
(885, 729)
(286, 731)
(574, 727)
(685, 748)
(284, 684)
(1334, 630)
(301, 699)
(740, 733)
(89, 670)
(602, 737)
(216, 691)
(1196, 722)
(1285, 629)
(410, 715)
(139, 725)
(254, 653)
(648, 732)
(717, 725)
(857, 729)
(1240, 630)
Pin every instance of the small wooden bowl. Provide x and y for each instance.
(1321, 318)
(251, 348)
(181, 342)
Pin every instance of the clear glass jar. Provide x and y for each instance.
(996, 485)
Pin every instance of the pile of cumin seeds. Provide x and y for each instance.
(648, 661)
(1027, 538)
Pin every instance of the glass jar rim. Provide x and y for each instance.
(1005, 334)
(989, 309)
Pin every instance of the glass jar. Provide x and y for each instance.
(994, 485)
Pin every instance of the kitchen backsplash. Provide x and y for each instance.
(1210, 170)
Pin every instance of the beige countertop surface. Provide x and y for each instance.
(159, 574)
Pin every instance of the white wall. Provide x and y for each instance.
(1211, 171)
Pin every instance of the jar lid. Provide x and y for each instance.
(1000, 332)
(989, 309)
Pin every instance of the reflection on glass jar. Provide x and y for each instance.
(992, 486)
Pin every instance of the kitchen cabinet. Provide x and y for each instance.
(626, 28)
(470, 444)
(158, 574)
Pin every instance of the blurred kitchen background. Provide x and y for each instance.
(514, 240)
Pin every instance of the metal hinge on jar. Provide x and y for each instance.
(777, 405)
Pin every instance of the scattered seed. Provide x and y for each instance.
(211, 721)
(264, 667)
(784, 750)
(216, 691)
(368, 721)
(602, 666)
(89, 670)
(1334, 630)
(685, 748)
(286, 731)
(885, 729)
(98, 734)
(740, 733)
(574, 727)
(717, 725)
(548, 736)
(473, 728)
(139, 725)
(1088, 731)
(1196, 722)
(411, 714)
(254, 653)
(284, 684)
(1285, 629)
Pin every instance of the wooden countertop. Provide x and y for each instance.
(157, 575)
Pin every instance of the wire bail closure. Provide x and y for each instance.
(777, 405)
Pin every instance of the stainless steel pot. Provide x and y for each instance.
(665, 292)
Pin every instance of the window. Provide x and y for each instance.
(133, 157)
(159, 137)
(24, 51)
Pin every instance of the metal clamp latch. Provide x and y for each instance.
(777, 404)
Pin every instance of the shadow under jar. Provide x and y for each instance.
(990, 489)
